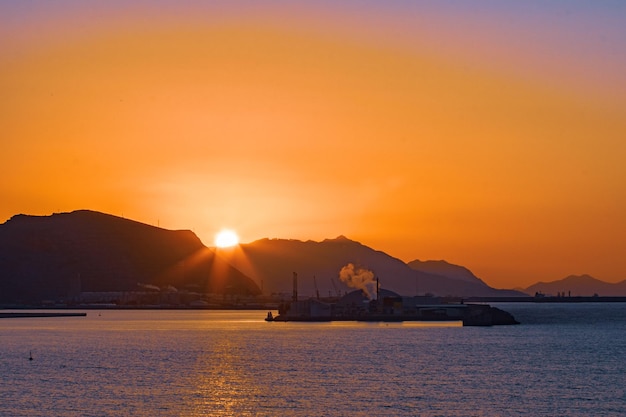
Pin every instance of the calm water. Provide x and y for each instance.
(566, 360)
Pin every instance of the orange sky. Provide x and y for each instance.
(490, 136)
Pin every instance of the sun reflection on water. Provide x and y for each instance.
(222, 385)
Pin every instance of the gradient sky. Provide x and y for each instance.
(491, 134)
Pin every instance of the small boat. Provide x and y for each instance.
(269, 317)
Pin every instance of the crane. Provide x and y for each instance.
(332, 281)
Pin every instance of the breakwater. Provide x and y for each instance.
(13, 315)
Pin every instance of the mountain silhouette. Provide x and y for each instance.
(57, 256)
(271, 262)
(578, 285)
(445, 269)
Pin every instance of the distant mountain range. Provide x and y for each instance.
(578, 285)
(56, 257)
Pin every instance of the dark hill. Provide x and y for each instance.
(52, 257)
(462, 277)
(445, 269)
(272, 262)
(579, 285)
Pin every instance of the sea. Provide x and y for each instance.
(564, 359)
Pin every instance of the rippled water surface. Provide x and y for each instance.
(565, 359)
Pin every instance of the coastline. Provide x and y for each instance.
(549, 299)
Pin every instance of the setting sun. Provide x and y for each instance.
(226, 238)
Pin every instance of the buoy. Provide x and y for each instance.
(30, 357)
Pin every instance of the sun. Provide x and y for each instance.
(226, 238)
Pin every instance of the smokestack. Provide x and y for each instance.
(295, 287)
(317, 291)
(377, 289)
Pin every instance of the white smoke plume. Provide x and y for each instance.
(359, 278)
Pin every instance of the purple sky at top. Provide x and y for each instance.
(571, 41)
